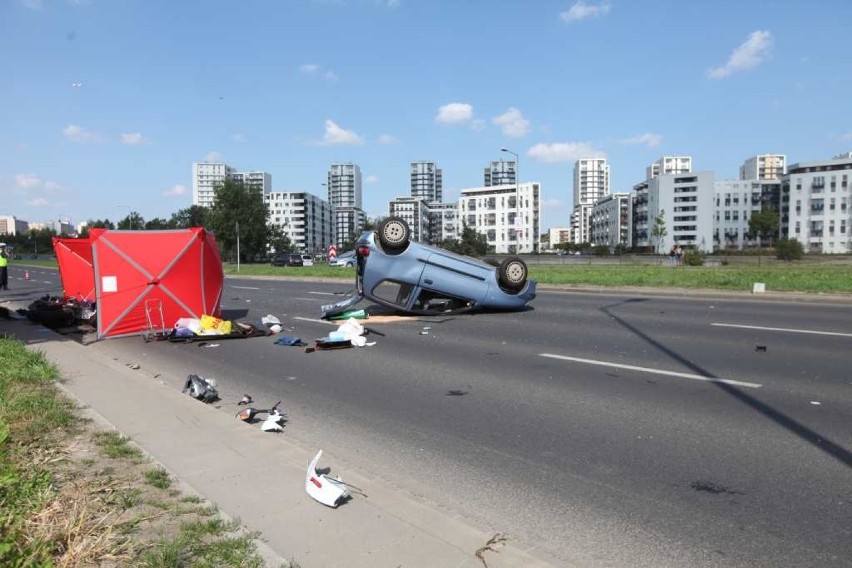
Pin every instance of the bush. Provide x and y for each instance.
(693, 257)
(601, 250)
(789, 249)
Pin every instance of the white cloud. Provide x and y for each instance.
(38, 202)
(132, 138)
(77, 133)
(388, 139)
(238, 139)
(27, 181)
(454, 113)
(176, 190)
(372, 179)
(335, 135)
(34, 4)
(213, 157)
(752, 52)
(314, 70)
(581, 11)
(563, 152)
(648, 139)
(51, 186)
(512, 123)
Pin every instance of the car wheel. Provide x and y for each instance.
(512, 273)
(394, 233)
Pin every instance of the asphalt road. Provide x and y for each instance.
(604, 429)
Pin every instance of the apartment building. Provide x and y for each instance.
(306, 219)
(669, 165)
(609, 221)
(735, 202)
(558, 235)
(207, 176)
(580, 223)
(344, 195)
(416, 213)
(426, 181)
(685, 204)
(509, 216)
(816, 201)
(443, 222)
(500, 172)
(591, 180)
(11, 225)
(764, 166)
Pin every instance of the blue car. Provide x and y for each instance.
(414, 278)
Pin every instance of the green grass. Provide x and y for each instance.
(158, 477)
(209, 543)
(116, 446)
(811, 276)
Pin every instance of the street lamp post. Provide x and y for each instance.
(517, 191)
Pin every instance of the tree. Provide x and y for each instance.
(134, 221)
(471, 243)
(279, 241)
(193, 216)
(658, 231)
(158, 224)
(789, 249)
(764, 223)
(239, 208)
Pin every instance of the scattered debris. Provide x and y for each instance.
(498, 539)
(760, 348)
(290, 341)
(357, 314)
(134, 366)
(275, 421)
(816, 403)
(713, 488)
(201, 388)
(246, 400)
(327, 490)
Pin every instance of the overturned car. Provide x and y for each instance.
(394, 271)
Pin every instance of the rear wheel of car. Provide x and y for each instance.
(512, 273)
(394, 234)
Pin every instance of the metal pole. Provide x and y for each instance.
(237, 223)
(517, 192)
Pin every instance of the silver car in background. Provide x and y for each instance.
(394, 271)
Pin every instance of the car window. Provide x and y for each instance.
(393, 292)
(437, 302)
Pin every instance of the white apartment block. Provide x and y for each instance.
(11, 225)
(765, 166)
(426, 181)
(610, 221)
(344, 195)
(509, 225)
(559, 235)
(443, 222)
(684, 202)
(415, 211)
(736, 202)
(206, 176)
(816, 201)
(669, 165)
(305, 218)
(591, 180)
(500, 172)
(259, 181)
(580, 223)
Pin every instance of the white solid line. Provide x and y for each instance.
(655, 371)
(783, 329)
(245, 288)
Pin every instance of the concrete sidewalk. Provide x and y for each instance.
(259, 477)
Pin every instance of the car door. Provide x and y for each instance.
(455, 277)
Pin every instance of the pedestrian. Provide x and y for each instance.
(678, 255)
(4, 267)
(673, 255)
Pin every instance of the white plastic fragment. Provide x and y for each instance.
(327, 490)
(816, 402)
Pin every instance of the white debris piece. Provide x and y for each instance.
(327, 490)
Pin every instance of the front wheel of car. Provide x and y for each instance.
(512, 273)
(394, 234)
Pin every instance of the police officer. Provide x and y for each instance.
(4, 270)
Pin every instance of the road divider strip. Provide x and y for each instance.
(654, 371)
(809, 331)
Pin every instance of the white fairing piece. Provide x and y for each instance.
(327, 490)
(272, 423)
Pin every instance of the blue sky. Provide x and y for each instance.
(106, 103)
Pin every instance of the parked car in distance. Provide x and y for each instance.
(345, 259)
(307, 260)
(414, 278)
(287, 259)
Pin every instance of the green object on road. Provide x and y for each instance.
(357, 314)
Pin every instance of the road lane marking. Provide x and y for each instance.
(244, 288)
(809, 331)
(654, 371)
(314, 320)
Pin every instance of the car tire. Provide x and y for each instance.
(394, 234)
(512, 273)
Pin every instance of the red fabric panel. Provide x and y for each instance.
(143, 274)
(74, 257)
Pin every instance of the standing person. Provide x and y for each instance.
(4, 264)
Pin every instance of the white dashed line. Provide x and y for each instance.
(244, 288)
(654, 371)
(809, 331)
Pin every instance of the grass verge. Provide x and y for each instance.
(74, 495)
